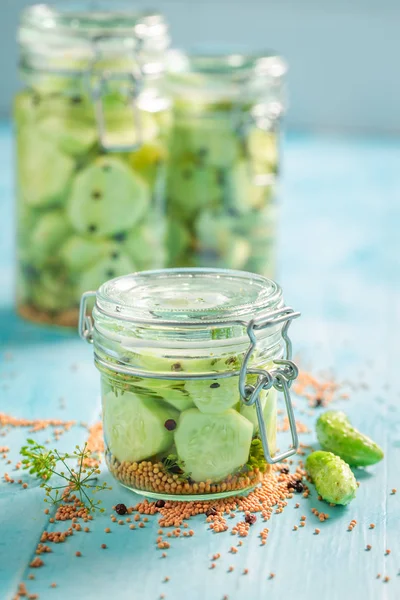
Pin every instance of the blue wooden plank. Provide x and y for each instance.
(340, 266)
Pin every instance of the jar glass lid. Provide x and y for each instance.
(196, 303)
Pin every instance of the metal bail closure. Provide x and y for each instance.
(131, 83)
(280, 378)
(85, 325)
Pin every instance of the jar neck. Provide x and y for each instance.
(222, 360)
(227, 84)
(76, 45)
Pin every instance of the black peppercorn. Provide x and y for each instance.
(298, 486)
(176, 367)
(318, 402)
(211, 512)
(121, 509)
(284, 470)
(170, 424)
(160, 503)
(251, 519)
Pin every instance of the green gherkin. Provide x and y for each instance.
(336, 434)
(332, 477)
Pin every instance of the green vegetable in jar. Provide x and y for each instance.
(332, 477)
(336, 434)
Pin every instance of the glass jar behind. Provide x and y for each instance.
(189, 409)
(224, 160)
(92, 127)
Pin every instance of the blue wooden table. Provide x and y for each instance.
(340, 265)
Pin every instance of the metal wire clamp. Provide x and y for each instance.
(281, 378)
(98, 82)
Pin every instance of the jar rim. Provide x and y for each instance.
(265, 63)
(75, 37)
(225, 80)
(80, 20)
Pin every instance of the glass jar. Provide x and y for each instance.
(191, 361)
(224, 160)
(92, 127)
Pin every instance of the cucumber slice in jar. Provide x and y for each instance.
(148, 160)
(168, 391)
(49, 232)
(218, 244)
(68, 134)
(51, 292)
(213, 396)
(268, 401)
(191, 189)
(134, 426)
(263, 149)
(178, 240)
(211, 141)
(212, 446)
(145, 245)
(78, 253)
(121, 128)
(107, 198)
(115, 265)
(43, 172)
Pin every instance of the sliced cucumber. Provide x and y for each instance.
(148, 160)
(218, 243)
(213, 396)
(107, 198)
(134, 425)
(78, 253)
(212, 446)
(115, 265)
(191, 189)
(168, 391)
(145, 245)
(263, 147)
(250, 412)
(44, 172)
(68, 134)
(50, 231)
(51, 292)
(121, 129)
(211, 141)
(268, 403)
(178, 240)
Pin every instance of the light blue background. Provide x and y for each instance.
(343, 56)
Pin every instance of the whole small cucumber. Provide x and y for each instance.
(336, 434)
(332, 477)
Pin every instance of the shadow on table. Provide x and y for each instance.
(15, 331)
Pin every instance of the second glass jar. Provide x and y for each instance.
(224, 160)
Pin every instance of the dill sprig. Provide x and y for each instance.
(76, 471)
